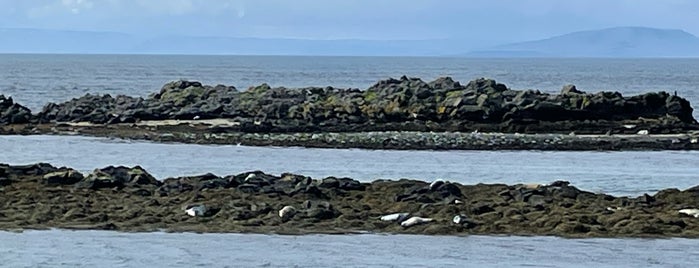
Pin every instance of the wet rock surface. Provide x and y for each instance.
(129, 199)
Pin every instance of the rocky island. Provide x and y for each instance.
(405, 113)
(40, 196)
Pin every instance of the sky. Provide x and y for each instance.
(493, 21)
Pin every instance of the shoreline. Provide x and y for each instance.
(128, 199)
(220, 133)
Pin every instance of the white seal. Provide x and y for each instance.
(195, 210)
(643, 132)
(690, 212)
(395, 217)
(287, 212)
(250, 176)
(613, 209)
(415, 221)
(532, 186)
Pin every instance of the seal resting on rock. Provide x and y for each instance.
(436, 183)
(287, 212)
(415, 221)
(395, 217)
(195, 210)
(458, 219)
(690, 212)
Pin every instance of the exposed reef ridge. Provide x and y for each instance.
(405, 104)
(405, 113)
(42, 196)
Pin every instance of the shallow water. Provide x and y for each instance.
(57, 248)
(619, 173)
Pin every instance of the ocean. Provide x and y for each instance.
(34, 80)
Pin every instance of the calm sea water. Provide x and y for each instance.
(36, 79)
(110, 249)
(618, 173)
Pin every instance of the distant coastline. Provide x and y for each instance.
(618, 42)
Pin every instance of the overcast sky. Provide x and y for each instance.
(488, 20)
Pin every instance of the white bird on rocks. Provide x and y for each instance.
(395, 217)
(690, 212)
(415, 221)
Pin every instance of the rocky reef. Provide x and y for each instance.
(129, 199)
(13, 113)
(405, 104)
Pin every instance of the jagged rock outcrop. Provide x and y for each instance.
(13, 113)
(392, 104)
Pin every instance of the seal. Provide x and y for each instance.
(415, 221)
(464, 221)
(643, 132)
(195, 210)
(690, 212)
(395, 217)
(287, 212)
(435, 184)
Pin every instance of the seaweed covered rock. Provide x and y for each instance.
(120, 198)
(392, 104)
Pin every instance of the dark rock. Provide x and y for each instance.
(39, 169)
(342, 184)
(391, 104)
(249, 188)
(570, 89)
(646, 199)
(437, 191)
(481, 208)
(5, 181)
(63, 177)
(319, 210)
(118, 177)
(13, 113)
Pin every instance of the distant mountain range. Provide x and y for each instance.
(54, 41)
(611, 42)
